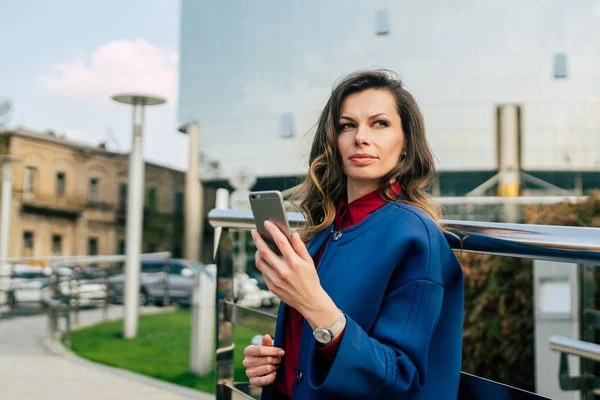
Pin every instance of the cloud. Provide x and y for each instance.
(115, 67)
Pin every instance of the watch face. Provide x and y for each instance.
(322, 335)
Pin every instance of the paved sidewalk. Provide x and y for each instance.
(29, 371)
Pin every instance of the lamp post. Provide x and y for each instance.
(193, 195)
(135, 205)
(6, 161)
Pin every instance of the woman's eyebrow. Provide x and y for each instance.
(371, 117)
(378, 115)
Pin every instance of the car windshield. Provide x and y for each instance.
(29, 275)
(153, 267)
(196, 266)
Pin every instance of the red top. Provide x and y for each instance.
(347, 215)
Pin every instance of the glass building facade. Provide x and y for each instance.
(256, 74)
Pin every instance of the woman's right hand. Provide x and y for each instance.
(261, 362)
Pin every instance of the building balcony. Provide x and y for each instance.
(62, 206)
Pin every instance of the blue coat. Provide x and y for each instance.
(401, 288)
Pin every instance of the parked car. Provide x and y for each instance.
(26, 284)
(175, 277)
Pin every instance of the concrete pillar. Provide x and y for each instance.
(5, 228)
(203, 325)
(508, 160)
(194, 218)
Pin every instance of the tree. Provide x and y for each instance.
(5, 109)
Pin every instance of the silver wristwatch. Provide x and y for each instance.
(326, 336)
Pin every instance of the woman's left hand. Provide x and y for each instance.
(293, 276)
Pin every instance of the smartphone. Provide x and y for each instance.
(268, 205)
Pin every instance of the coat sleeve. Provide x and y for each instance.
(391, 360)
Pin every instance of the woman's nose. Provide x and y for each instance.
(362, 137)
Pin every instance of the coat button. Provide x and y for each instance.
(299, 377)
(337, 235)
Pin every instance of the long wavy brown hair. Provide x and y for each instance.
(325, 184)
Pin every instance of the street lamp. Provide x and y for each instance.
(6, 161)
(135, 205)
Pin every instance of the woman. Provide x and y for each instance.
(373, 308)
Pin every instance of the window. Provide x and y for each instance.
(152, 266)
(93, 246)
(121, 246)
(382, 22)
(123, 196)
(56, 245)
(286, 126)
(27, 243)
(151, 201)
(30, 179)
(94, 190)
(179, 203)
(60, 184)
(560, 65)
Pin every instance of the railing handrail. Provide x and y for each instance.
(57, 260)
(588, 350)
(540, 242)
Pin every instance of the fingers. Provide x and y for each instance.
(261, 370)
(263, 380)
(263, 351)
(253, 362)
(262, 362)
(300, 248)
(267, 341)
(263, 249)
(282, 242)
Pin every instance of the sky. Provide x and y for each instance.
(62, 60)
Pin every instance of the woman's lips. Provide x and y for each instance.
(362, 159)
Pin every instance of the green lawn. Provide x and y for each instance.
(161, 349)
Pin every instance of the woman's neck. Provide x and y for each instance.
(357, 189)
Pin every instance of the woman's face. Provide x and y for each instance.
(370, 138)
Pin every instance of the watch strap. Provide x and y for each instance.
(337, 327)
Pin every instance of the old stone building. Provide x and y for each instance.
(71, 199)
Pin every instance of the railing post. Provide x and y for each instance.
(106, 297)
(203, 324)
(224, 327)
(166, 294)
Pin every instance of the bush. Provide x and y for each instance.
(498, 333)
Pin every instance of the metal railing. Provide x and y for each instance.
(63, 296)
(541, 242)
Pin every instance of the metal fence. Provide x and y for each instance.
(554, 243)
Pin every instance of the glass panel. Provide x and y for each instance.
(560, 65)
(382, 22)
(60, 184)
(151, 202)
(30, 179)
(93, 246)
(56, 245)
(94, 189)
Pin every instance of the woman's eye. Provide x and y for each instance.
(382, 123)
(347, 126)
